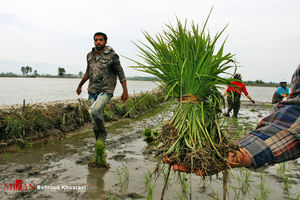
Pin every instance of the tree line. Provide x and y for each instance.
(27, 72)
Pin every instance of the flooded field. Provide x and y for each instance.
(57, 168)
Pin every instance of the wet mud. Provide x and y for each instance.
(58, 166)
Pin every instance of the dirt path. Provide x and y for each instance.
(59, 168)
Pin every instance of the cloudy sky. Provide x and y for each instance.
(264, 35)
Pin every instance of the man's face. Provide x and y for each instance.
(99, 42)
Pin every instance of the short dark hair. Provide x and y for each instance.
(100, 33)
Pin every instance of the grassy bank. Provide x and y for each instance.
(20, 125)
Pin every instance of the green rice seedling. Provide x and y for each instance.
(123, 174)
(5, 156)
(19, 150)
(183, 194)
(53, 143)
(281, 170)
(108, 115)
(263, 189)
(149, 185)
(112, 197)
(191, 70)
(43, 146)
(120, 109)
(150, 135)
(30, 145)
(286, 182)
(100, 156)
(244, 181)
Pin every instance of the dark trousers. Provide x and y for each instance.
(234, 103)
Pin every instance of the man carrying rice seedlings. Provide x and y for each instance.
(234, 95)
(276, 138)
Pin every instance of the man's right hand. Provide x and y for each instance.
(78, 91)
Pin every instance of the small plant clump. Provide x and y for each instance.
(100, 156)
(150, 135)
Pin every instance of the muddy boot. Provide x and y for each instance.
(102, 131)
(96, 133)
(234, 115)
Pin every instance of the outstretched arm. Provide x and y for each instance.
(250, 98)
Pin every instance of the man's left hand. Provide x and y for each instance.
(124, 97)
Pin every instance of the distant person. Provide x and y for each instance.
(234, 95)
(281, 92)
(276, 138)
(103, 67)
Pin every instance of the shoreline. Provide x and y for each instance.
(24, 123)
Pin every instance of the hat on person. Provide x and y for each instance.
(283, 81)
(238, 76)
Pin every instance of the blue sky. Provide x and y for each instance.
(48, 34)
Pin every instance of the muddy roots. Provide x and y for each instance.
(204, 158)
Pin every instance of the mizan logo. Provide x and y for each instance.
(19, 186)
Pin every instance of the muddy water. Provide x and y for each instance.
(60, 165)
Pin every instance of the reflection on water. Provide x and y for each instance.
(35, 90)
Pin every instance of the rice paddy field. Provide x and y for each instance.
(61, 164)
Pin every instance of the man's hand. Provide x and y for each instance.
(124, 96)
(239, 159)
(78, 91)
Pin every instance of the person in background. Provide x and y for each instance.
(276, 138)
(234, 95)
(103, 67)
(281, 92)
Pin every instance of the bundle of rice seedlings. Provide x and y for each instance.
(100, 156)
(190, 69)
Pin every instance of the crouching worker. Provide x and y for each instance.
(103, 67)
(281, 92)
(276, 138)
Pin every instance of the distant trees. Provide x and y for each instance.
(26, 70)
(35, 73)
(61, 71)
(80, 74)
(23, 69)
(261, 83)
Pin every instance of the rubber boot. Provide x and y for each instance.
(102, 133)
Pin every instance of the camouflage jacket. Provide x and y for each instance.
(103, 70)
